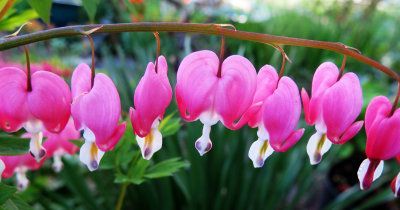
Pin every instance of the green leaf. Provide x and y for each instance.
(139, 169)
(77, 142)
(15, 21)
(16, 203)
(11, 145)
(6, 192)
(165, 168)
(90, 7)
(169, 126)
(42, 8)
(120, 178)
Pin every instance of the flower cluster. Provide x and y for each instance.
(208, 89)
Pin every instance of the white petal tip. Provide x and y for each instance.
(203, 146)
(368, 172)
(259, 151)
(150, 144)
(317, 146)
(90, 155)
(395, 185)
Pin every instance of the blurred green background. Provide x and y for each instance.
(224, 178)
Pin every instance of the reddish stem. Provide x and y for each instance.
(93, 67)
(396, 100)
(221, 54)
(158, 49)
(28, 70)
(342, 68)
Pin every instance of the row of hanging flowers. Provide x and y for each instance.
(209, 89)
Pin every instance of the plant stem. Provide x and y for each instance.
(396, 100)
(28, 70)
(158, 50)
(93, 67)
(6, 8)
(122, 196)
(211, 29)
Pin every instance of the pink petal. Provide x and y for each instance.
(267, 80)
(80, 85)
(383, 137)
(350, 132)
(114, 139)
(13, 99)
(61, 140)
(306, 104)
(50, 100)
(325, 76)
(291, 140)
(235, 89)
(11, 162)
(152, 96)
(196, 83)
(99, 109)
(282, 112)
(378, 109)
(342, 104)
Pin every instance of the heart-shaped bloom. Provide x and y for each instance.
(19, 164)
(46, 106)
(96, 111)
(57, 144)
(383, 137)
(152, 96)
(395, 185)
(205, 96)
(334, 106)
(278, 116)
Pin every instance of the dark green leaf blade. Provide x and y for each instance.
(6, 192)
(165, 168)
(11, 145)
(90, 7)
(42, 7)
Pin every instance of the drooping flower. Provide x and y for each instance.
(58, 145)
(210, 97)
(96, 111)
(278, 116)
(334, 106)
(19, 164)
(152, 96)
(395, 185)
(383, 139)
(45, 106)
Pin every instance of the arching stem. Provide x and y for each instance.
(158, 49)
(93, 67)
(221, 54)
(396, 100)
(342, 68)
(284, 58)
(28, 70)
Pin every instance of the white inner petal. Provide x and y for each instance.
(57, 163)
(397, 185)
(204, 144)
(22, 181)
(90, 155)
(2, 167)
(152, 142)
(33, 126)
(259, 151)
(363, 169)
(88, 135)
(317, 146)
(35, 146)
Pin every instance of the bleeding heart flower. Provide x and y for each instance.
(96, 110)
(46, 106)
(383, 137)
(19, 164)
(58, 145)
(333, 107)
(205, 95)
(278, 116)
(152, 96)
(395, 185)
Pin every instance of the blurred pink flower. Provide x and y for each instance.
(46, 106)
(334, 106)
(152, 96)
(277, 117)
(96, 110)
(383, 137)
(205, 96)
(395, 185)
(19, 164)
(58, 145)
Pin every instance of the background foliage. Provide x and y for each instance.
(224, 178)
